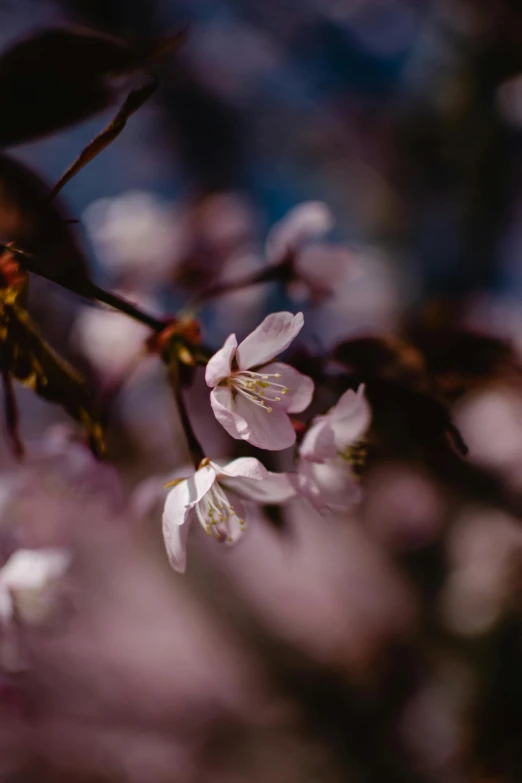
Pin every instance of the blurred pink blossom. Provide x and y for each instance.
(325, 473)
(319, 267)
(26, 583)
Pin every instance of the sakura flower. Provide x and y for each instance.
(325, 472)
(204, 497)
(251, 394)
(314, 267)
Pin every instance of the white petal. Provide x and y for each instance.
(244, 420)
(244, 467)
(186, 494)
(318, 443)
(275, 488)
(270, 338)
(309, 220)
(219, 365)
(300, 387)
(175, 537)
(350, 418)
(222, 401)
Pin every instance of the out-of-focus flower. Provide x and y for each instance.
(27, 581)
(404, 508)
(203, 497)
(491, 424)
(326, 473)
(111, 341)
(135, 235)
(485, 550)
(318, 266)
(252, 395)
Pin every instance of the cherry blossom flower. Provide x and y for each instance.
(325, 473)
(251, 394)
(316, 266)
(203, 496)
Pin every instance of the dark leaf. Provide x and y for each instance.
(59, 77)
(133, 102)
(411, 420)
(28, 219)
(31, 361)
(383, 357)
(457, 357)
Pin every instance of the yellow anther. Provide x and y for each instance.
(278, 399)
(208, 531)
(229, 539)
(285, 390)
(277, 375)
(204, 462)
(269, 410)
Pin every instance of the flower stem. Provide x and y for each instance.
(172, 361)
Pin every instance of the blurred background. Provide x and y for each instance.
(380, 645)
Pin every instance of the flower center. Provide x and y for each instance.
(355, 455)
(259, 388)
(216, 513)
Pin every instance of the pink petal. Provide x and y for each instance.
(272, 431)
(175, 537)
(300, 387)
(306, 221)
(186, 494)
(318, 443)
(219, 365)
(275, 488)
(324, 265)
(270, 338)
(350, 418)
(244, 420)
(244, 467)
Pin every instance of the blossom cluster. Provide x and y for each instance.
(253, 396)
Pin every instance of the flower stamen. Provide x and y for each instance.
(215, 512)
(258, 387)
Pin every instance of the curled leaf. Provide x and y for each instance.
(132, 103)
(28, 219)
(58, 77)
(27, 357)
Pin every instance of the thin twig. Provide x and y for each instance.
(196, 452)
(87, 290)
(219, 289)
